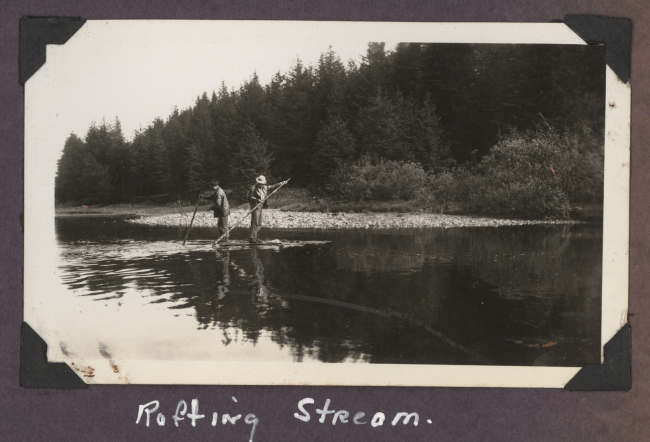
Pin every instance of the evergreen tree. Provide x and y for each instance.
(372, 75)
(69, 181)
(224, 122)
(109, 162)
(382, 130)
(334, 146)
(253, 106)
(120, 162)
(99, 185)
(330, 86)
(148, 154)
(427, 137)
(175, 160)
(249, 160)
(201, 153)
(294, 124)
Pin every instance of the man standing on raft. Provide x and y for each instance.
(255, 196)
(220, 206)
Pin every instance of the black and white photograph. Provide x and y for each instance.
(326, 203)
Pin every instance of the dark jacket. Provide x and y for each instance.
(220, 202)
(259, 193)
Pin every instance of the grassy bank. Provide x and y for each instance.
(288, 200)
(301, 201)
(143, 209)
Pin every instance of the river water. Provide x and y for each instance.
(525, 295)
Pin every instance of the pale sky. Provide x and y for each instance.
(140, 70)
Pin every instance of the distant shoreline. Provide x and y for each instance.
(273, 218)
(278, 219)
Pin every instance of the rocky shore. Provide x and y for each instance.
(274, 218)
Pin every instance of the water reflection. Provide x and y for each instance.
(525, 295)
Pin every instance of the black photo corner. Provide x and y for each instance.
(36, 371)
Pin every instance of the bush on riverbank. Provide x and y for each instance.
(538, 174)
(301, 200)
(365, 180)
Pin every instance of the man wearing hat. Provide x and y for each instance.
(255, 196)
(220, 206)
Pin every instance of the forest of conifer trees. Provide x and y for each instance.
(503, 129)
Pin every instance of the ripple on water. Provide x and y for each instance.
(462, 283)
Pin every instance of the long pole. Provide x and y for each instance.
(198, 200)
(216, 241)
(182, 212)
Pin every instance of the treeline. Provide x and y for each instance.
(430, 108)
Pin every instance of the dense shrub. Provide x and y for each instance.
(584, 182)
(446, 188)
(531, 198)
(382, 181)
(537, 174)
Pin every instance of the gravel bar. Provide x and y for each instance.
(274, 218)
